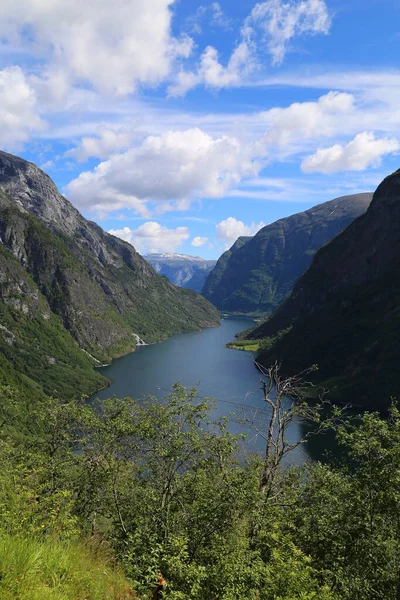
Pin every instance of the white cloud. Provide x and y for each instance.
(113, 46)
(107, 142)
(171, 170)
(199, 241)
(151, 237)
(212, 73)
(272, 24)
(19, 113)
(214, 14)
(280, 21)
(363, 151)
(219, 18)
(231, 229)
(305, 120)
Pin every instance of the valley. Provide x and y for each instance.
(199, 300)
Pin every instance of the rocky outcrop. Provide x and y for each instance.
(257, 274)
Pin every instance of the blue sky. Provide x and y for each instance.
(181, 125)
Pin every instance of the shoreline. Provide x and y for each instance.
(99, 366)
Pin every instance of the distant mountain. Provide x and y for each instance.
(258, 273)
(181, 269)
(344, 314)
(70, 293)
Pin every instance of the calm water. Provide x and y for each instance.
(197, 359)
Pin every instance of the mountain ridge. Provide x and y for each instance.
(258, 273)
(97, 287)
(182, 269)
(343, 312)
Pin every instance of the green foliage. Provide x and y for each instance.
(244, 345)
(354, 339)
(62, 295)
(42, 355)
(159, 487)
(32, 568)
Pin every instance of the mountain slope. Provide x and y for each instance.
(96, 288)
(213, 284)
(343, 314)
(257, 274)
(37, 354)
(182, 270)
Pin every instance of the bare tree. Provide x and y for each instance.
(286, 399)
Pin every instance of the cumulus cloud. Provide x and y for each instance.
(280, 21)
(151, 237)
(106, 143)
(231, 229)
(112, 46)
(199, 241)
(305, 120)
(19, 113)
(363, 151)
(171, 170)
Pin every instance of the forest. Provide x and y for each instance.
(99, 501)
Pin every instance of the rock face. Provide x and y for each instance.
(182, 270)
(343, 314)
(95, 287)
(258, 273)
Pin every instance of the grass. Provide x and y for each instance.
(40, 569)
(244, 346)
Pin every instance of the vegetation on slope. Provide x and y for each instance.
(74, 286)
(101, 311)
(257, 274)
(62, 309)
(36, 352)
(44, 568)
(343, 313)
(161, 488)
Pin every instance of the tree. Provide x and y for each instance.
(286, 400)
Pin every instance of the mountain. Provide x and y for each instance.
(215, 280)
(343, 314)
(71, 294)
(258, 273)
(183, 270)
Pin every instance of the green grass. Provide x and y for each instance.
(40, 569)
(245, 346)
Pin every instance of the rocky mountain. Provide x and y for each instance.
(344, 314)
(71, 294)
(258, 273)
(183, 270)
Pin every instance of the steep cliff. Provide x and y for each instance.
(343, 314)
(218, 278)
(97, 288)
(182, 270)
(257, 274)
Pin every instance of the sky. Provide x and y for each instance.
(179, 126)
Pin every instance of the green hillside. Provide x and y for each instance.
(343, 313)
(257, 274)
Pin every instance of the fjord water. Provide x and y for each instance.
(198, 359)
